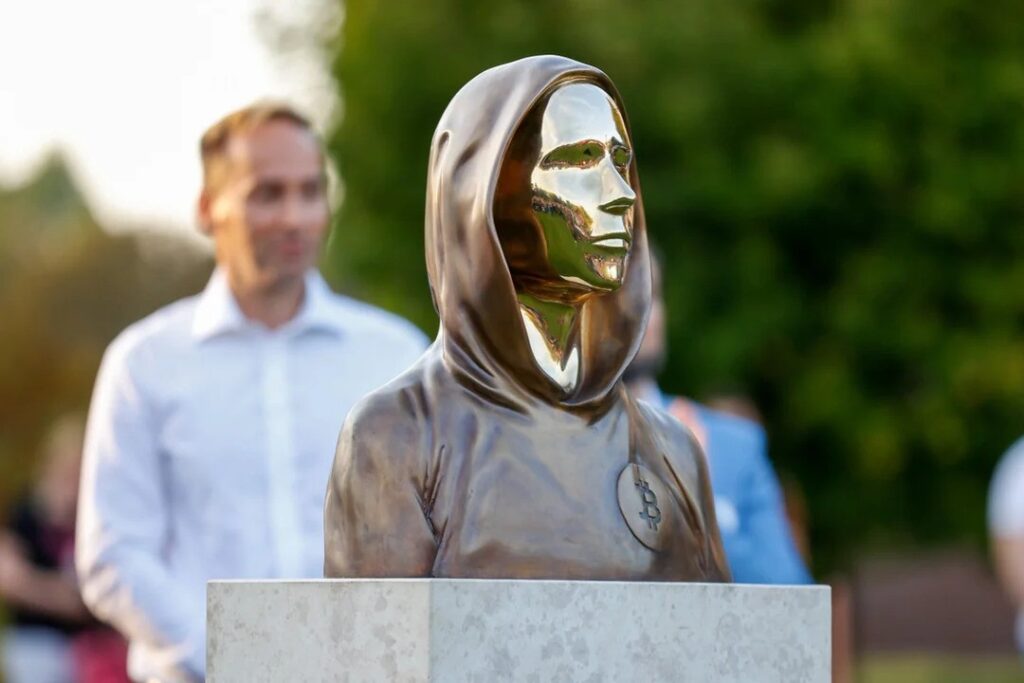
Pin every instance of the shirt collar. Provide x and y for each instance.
(217, 311)
(319, 308)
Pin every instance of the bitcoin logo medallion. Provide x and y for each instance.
(645, 503)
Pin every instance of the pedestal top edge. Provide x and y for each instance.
(815, 588)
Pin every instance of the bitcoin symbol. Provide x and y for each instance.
(650, 514)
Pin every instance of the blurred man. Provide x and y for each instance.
(748, 502)
(1006, 526)
(214, 420)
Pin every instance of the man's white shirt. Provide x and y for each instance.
(1006, 507)
(208, 451)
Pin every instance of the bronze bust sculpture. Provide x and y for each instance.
(511, 449)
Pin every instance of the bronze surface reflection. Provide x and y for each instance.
(511, 449)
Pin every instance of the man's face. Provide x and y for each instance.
(581, 195)
(268, 212)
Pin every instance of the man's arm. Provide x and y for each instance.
(42, 591)
(774, 556)
(122, 526)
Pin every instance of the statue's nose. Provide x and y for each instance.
(616, 187)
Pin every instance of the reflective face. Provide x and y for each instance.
(269, 214)
(581, 195)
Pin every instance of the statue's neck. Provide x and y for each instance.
(552, 329)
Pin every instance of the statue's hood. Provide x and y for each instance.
(482, 335)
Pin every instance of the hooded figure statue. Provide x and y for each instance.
(511, 449)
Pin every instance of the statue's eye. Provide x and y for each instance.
(621, 156)
(580, 155)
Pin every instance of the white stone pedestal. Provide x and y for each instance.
(423, 630)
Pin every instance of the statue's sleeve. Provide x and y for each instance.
(375, 524)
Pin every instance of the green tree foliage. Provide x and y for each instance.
(838, 189)
(66, 289)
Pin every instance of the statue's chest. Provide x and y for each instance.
(524, 507)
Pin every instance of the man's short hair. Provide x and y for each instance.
(214, 143)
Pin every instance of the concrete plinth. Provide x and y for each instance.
(422, 630)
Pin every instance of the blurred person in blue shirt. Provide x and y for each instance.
(748, 498)
(213, 423)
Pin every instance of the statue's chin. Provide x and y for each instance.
(608, 271)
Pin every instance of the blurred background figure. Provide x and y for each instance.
(36, 567)
(794, 502)
(748, 498)
(52, 638)
(1006, 526)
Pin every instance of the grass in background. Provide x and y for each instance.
(940, 669)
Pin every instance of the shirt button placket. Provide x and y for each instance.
(280, 457)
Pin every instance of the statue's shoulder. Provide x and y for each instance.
(677, 443)
(390, 426)
(397, 404)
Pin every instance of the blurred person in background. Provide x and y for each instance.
(793, 499)
(1006, 527)
(748, 499)
(214, 420)
(53, 638)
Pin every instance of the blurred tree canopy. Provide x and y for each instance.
(67, 288)
(837, 187)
